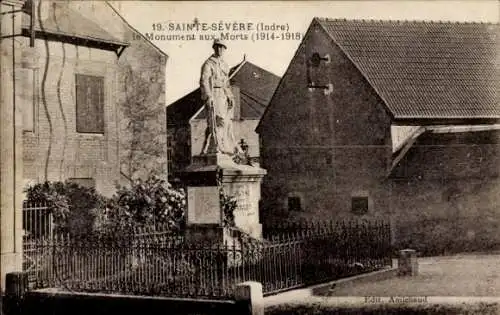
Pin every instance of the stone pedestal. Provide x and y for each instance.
(249, 297)
(407, 263)
(11, 140)
(205, 215)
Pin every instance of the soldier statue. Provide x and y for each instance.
(218, 101)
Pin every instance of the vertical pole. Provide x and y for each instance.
(32, 22)
(10, 144)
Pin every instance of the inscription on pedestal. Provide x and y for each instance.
(246, 213)
(243, 195)
(203, 205)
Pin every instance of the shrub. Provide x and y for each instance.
(146, 203)
(73, 206)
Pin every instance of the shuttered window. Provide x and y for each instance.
(89, 104)
(359, 204)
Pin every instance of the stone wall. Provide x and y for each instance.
(443, 194)
(339, 148)
(449, 199)
(180, 145)
(142, 108)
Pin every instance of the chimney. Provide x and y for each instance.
(237, 103)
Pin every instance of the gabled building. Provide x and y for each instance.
(92, 91)
(388, 118)
(253, 88)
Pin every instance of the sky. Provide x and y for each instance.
(273, 54)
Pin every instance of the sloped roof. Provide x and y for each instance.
(133, 29)
(435, 70)
(180, 111)
(67, 22)
(437, 139)
(256, 85)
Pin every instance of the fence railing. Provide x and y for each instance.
(166, 266)
(37, 224)
(309, 253)
(277, 229)
(37, 220)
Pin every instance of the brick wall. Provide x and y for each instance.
(63, 153)
(53, 150)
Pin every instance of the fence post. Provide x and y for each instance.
(16, 286)
(249, 298)
(407, 262)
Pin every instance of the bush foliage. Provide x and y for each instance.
(80, 210)
(146, 203)
(73, 206)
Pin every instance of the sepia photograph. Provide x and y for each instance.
(249, 157)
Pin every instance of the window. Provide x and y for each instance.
(89, 104)
(84, 182)
(294, 204)
(359, 204)
(328, 159)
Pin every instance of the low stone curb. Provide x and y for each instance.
(323, 289)
(379, 275)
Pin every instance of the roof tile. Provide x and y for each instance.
(425, 69)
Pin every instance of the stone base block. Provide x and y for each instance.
(249, 296)
(205, 234)
(9, 262)
(213, 159)
(407, 263)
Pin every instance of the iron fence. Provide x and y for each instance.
(37, 224)
(325, 251)
(37, 220)
(157, 264)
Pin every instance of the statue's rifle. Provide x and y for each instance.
(212, 121)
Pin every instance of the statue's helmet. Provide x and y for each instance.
(219, 42)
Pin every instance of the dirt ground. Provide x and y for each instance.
(459, 275)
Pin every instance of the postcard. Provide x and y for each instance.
(255, 157)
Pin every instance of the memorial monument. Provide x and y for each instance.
(214, 170)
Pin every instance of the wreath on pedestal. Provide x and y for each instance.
(228, 203)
